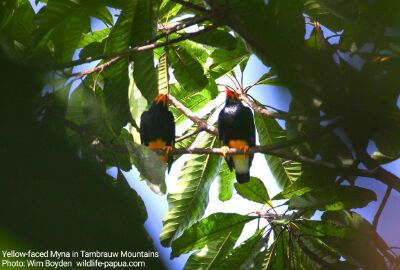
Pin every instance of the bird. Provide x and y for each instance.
(236, 129)
(157, 128)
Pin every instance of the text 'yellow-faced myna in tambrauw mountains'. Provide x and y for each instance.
(157, 127)
(237, 130)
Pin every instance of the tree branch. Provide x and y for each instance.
(190, 5)
(188, 135)
(176, 28)
(118, 55)
(272, 150)
(195, 119)
(380, 173)
(381, 207)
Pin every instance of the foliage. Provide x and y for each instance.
(344, 92)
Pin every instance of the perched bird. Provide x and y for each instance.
(157, 127)
(237, 130)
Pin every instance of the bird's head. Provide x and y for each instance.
(162, 99)
(230, 94)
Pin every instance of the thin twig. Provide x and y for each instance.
(195, 119)
(190, 134)
(176, 28)
(381, 207)
(118, 55)
(190, 5)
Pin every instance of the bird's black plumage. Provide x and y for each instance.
(157, 127)
(236, 124)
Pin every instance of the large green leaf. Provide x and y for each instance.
(188, 71)
(226, 180)
(189, 197)
(137, 105)
(361, 248)
(95, 36)
(241, 256)
(144, 28)
(213, 251)
(208, 229)
(116, 80)
(269, 131)
(333, 198)
(318, 12)
(217, 38)
(193, 100)
(149, 164)
(254, 190)
(222, 61)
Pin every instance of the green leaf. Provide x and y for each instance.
(208, 229)
(223, 61)
(217, 38)
(189, 197)
(226, 180)
(318, 12)
(93, 49)
(187, 70)
(333, 198)
(297, 188)
(130, 195)
(269, 131)
(192, 100)
(316, 40)
(360, 248)
(243, 255)
(213, 251)
(116, 80)
(254, 191)
(162, 69)
(311, 178)
(149, 164)
(137, 105)
(278, 253)
(95, 36)
(144, 28)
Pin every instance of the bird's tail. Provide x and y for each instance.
(242, 177)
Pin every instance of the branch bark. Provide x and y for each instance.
(381, 207)
(194, 118)
(272, 150)
(380, 173)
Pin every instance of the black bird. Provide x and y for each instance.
(157, 127)
(237, 130)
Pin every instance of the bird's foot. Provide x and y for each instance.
(167, 149)
(245, 149)
(225, 150)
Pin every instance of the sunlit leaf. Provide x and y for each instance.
(254, 190)
(189, 197)
(209, 228)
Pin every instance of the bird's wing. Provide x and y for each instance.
(251, 126)
(221, 126)
(171, 129)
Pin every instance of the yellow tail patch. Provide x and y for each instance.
(158, 144)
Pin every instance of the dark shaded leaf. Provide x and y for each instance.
(333, 198)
